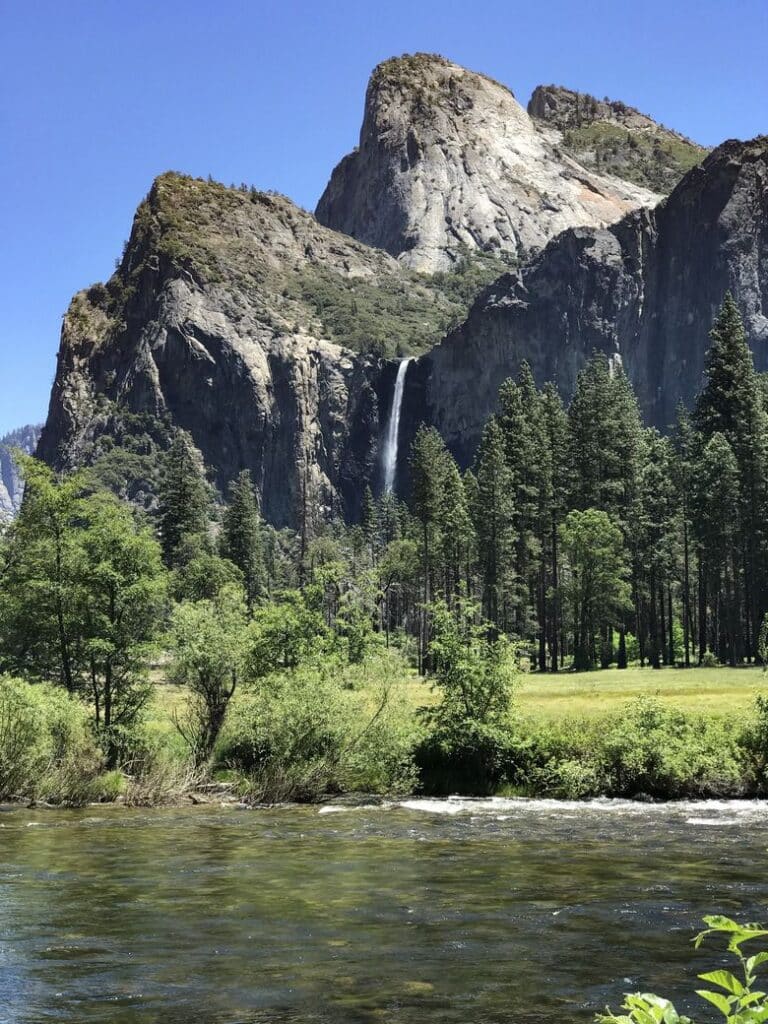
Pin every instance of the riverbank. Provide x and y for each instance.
(315, 733)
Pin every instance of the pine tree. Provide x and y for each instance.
(553, 499)
(595, 583)
(656, 545)
(683, 469)
(494, 515)
(427, 466)
(731, 404)
(241, 537)
(520, 423)
(369, 522)
(607, 455)
(183, 500)
(715, 519)
(456, 532)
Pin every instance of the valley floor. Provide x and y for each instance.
(717, 691)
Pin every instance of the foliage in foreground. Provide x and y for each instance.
(321, 729)
(739, 1000)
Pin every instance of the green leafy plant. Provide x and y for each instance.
(739, 1000)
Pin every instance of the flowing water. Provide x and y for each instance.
(393, 428)
(423, 911)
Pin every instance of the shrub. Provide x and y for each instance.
(300, 734)
(46, 747)
(469, 758)
(663, 752)
(475, 672)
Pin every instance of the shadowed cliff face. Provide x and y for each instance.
(644, 290)
(449, 161)
(208, 326)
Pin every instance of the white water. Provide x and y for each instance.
(393, 428)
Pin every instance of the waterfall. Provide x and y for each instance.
(393, 428)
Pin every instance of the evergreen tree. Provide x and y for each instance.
(241, 536)
(683, 470)
(716, 526)
(595, 584)
(369, 522)
(607, 457)
(553, 503)
(657, 547)
(456, 532)
(427, 465)
(520, 423)
(730, 404)
(493, 516)
(183, 500)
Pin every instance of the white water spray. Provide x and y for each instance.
(393, 428)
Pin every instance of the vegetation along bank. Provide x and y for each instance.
(515, 628)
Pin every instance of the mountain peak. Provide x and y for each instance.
(610, 137)
(449, 162)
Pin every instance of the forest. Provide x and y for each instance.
(148, 653)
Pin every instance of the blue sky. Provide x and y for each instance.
(99, 96)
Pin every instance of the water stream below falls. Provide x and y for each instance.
(493, 911)
(389, 455)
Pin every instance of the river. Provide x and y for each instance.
(424, 911)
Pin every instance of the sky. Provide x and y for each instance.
(97, 97)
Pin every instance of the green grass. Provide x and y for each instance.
(716, 691)
(587, 694)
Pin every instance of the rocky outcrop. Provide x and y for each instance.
(220, 321)
(11, 485)
(611, 138)
(273, 340)
(449, 162)
(644, 291)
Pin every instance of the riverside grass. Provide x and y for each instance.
(716, 691)
(668, 733)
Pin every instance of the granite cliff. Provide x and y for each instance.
(11, 486)
(273, 337)
(644, 291)
(449, 161)
(609, 137)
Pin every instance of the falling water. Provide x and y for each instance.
(393, 428)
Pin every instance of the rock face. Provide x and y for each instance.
(11, 487)
(449, 162)
(611, 138)
(216, 323)
(644, 290)
(274, 340)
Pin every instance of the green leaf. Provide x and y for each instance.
(756, 960)
(725, 980)
(719, 923)
(720, 1001)
(750, 998)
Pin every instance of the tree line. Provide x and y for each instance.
(593, 539)
(580, 535)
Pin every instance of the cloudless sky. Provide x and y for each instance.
(97, 97)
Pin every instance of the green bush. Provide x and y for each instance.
(298, 735)
(468, 758)
(753, 742)
(46, 747)
(647, 749)
(663, 752)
